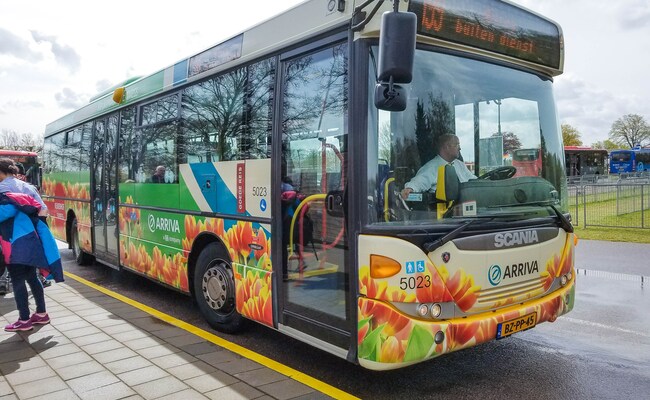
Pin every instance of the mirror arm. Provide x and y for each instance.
(364, 22)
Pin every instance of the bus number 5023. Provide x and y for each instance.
(415, 282)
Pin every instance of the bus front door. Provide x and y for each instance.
(314, 269)
(104, 197)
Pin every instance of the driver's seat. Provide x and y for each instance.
(447, 189)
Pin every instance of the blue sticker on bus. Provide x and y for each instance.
(263, 205)
(410, 267)
(419, 266)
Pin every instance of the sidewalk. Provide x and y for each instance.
(98, 347)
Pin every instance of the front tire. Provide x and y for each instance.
(81, 257)
(214, 290)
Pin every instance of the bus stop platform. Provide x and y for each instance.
(102, 346)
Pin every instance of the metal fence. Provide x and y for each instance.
(621, 203)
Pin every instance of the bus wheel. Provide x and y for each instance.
(80, 256)
(214, 290)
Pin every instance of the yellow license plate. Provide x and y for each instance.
(507, 328)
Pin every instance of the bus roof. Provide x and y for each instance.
(582, 148)
(10, 153)
(314, 17)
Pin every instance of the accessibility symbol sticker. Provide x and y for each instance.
(419, 266)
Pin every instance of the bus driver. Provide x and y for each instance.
(427, 176)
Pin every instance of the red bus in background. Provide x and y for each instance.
(28, 167)
(527, 161)
(585, 161)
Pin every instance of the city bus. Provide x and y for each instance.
(27, 162)
(629, 160)
(262, 177)
(527, 161)
(585, 161)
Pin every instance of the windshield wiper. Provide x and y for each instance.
(431, 246)
(564, 221)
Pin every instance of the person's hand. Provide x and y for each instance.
(405, 192)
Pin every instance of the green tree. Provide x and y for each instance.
(605, 144)
(571, 136)
(510, 141)
(630, 130)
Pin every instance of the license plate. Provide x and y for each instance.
(507, 328)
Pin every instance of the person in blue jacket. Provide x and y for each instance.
(27, 244)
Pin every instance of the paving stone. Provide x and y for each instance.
(158, 351)
(142, 375)
(21, 354)
(258, 377)
(237, 366)
(130, 335)
(212, 381)
(286, 389)
(238, 391)
(191, 370)
(20, 377)
(200, 348)
(186, 394)
(166, 333)
(123, 326)
(171, 360)
(58, 351)
(66, 394)
(44, 386)
(113, 391)
(218, 357)
(82, 332)
(5, 389)
(128, 364)
(72, 326)
(78, 370)
(68, 360)
(101, 347)
(114, 355)
(184, 340)
(160, 387)
(92, 381)
(20, 365)
(143, 343)
(90, 339)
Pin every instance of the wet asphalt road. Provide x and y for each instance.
(601, 350)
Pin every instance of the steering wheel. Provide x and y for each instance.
(500, 173)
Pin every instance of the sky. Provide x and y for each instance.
(55, 55)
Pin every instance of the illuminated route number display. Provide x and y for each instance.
(490, 25)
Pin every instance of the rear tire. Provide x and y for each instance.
(80, 256)
(214, 290)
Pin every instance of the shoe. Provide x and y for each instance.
(3, 288)
(46, 283)
(20, 326)
(36, 319)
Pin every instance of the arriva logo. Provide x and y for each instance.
(509, 239)
(163, 224)
(494, 275)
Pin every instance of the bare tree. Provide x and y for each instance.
(630, 130)
(9, 139)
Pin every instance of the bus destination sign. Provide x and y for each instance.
(490, 25)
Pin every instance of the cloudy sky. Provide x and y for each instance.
(55, 55)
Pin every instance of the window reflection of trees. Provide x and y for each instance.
(229, 117)
(315, 89)
(315, 106)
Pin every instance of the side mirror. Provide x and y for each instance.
(388, 99)
(396, 54)
(397, 47)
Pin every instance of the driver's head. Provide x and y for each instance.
(449, 147)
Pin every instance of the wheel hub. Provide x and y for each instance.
(217, 288)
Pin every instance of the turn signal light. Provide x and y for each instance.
(383, 267)
(118, 94)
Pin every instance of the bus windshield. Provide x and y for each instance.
(493, 111)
